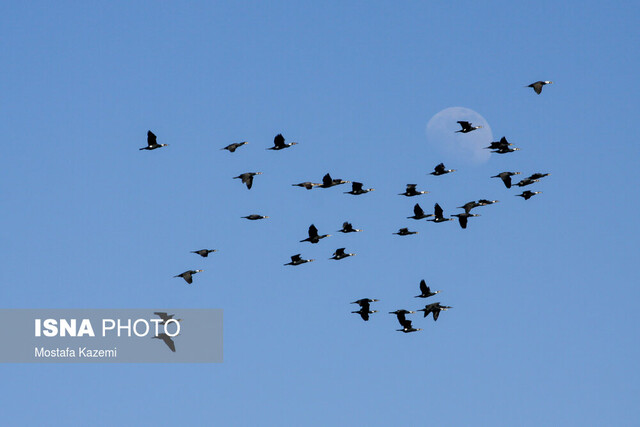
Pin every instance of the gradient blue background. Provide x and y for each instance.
(544, 329)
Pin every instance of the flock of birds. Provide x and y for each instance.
(357, 188)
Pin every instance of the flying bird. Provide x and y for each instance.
(328, 182)
(434, 308)
(405, 232)
(296, 260)
(462, 218)
(469, 205)
(538, 175)
(152, 142)
(279, 144)
(505, 150)
(485, 202)
(365, 310)
(204, 252)
(411, 191)
(466, 127)
(348, 228)
(340, 254)
(307, 184)
(439, 215)
(247, 178)
(537, 86)
(188, 275)
(356, 189)
(167, 340)
(314, 237)
(496, 145)
(528, 194)
(425, 291)
(506, 177)
(440, 170)
(232, 147)
(527, 181)
(404, 322)
(254, 217)
(418, 213)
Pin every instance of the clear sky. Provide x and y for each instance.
(544, 324)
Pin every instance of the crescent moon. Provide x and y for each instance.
(441, 135)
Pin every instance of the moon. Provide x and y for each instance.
(441, 135)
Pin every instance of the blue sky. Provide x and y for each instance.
(544, 325)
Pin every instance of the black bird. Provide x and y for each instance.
(418, 213)
(204, 252)
(405, 232)
(327, 181)
(439, 215)
(469, 205)
(527, 181)
(411, 191)
(188, 275)
(538, 175)
(425, 290)
(340, 254)
(496, 145)
(462, 218)
(434, 308)
(279, 144)
(440, 170)
(307, 184)
(152, 142)
(167, 340)
(505, 150)
(506, 177)
(528, 194)
(406, 324)
(232, 147)
(466, 127)
(314, 237)
(254, 217)
(165, 317)
(356, 189)
(365, 310)
(348, 228)
(247, 178)
(296, 260)
(537, 86)
(485, 202)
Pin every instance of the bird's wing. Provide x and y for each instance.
(464, 125)
(438, 211)
(463, 221)
(340, 251)
(151, 139)
(405, 323)
(161, 314)
(326, 180)
(248, 181)
(188, 277)
(436, 313)
(295, 258)
(364, 314)
(439, 168)
(423, 287)
(278, 141)
(347, 226)
(169, 342)
(417, 210)
(356, 187)
(313, 231)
